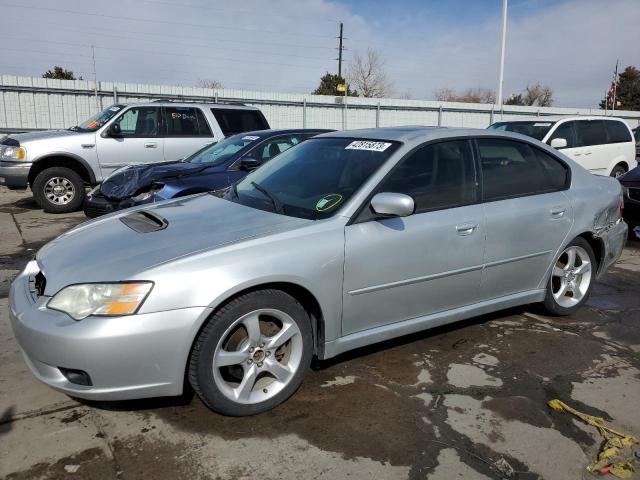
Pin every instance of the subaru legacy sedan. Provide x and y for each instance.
(347, 239)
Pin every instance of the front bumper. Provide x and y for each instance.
(96, 205)
(632, 205)
(14, 174)
(136, 356)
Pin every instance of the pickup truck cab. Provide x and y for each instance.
(59, 164)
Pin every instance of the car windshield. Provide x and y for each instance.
(98, 120)
(533, 129)
(313, 179)
(220, 152)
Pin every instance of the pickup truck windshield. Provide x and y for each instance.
(533, 129)
(313, 179)
(98, 120)
(220, 152)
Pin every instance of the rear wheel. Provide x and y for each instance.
(252, 354)
(571, 279)
(618, 171)
(58, 190)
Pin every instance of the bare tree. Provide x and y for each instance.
(368, 76)
(471, 95)
(207, 83)
(540, 95)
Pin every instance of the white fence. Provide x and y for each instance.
(28, 103)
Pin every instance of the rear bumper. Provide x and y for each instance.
(135, 356)
(14, 174)
(614, 239)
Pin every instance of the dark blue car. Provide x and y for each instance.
(214, 167)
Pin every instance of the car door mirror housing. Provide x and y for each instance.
(114, 130)
(389, 204)
(559, 143)
(249, 163)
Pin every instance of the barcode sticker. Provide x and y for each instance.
(367, 145)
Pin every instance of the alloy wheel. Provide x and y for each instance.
(59, 191)
(571, 276)
(257, 356)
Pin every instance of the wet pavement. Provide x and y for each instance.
(464, 401)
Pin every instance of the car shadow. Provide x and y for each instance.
(6, 420)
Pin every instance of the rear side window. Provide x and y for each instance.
(591, 132)
(567, 131)
(186, 122)
(436, 176)
(514, 169)
(618, 132)
(234, 121)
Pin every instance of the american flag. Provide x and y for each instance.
(611, 94)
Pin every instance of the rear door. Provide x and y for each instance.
(526, 211)
(187, 132)
(140, 140)
(402, 268)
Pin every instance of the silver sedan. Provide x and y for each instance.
(348, 239)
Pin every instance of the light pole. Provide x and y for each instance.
(502, 47)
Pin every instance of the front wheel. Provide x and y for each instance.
(252, 354)
(571, 279)
(58, 190)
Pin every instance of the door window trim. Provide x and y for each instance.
(361, 215)
(166, 124)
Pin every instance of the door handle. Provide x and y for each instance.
(150, 145)
(466, 228)
(558, 212)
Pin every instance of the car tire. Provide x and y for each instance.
(238, 367)
(571, 280)
(58, 190)
(618, 171)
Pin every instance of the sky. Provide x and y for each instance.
(287, 45)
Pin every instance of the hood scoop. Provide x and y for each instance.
(143, 221)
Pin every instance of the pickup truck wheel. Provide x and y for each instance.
(59, 190)
(572, 278)
(252, 354)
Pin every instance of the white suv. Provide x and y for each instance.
(602, 145)
(58, 164)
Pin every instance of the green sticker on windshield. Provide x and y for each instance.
(328, 202)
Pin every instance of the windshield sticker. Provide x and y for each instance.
(328, 202)
(542, 124)
(92, 124)
(366, 145)
(114, 109)
(250, 137)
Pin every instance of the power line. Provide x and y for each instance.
(166, 22)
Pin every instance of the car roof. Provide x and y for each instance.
(283, 131)
(556, 118)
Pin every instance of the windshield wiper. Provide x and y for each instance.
(74, 129)
(277, 204)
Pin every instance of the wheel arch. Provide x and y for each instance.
(67, 160)
(596, 244)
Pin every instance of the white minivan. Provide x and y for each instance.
(602, 145)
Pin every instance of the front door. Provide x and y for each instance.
(402, 268)
(527, 215)
(140, 140)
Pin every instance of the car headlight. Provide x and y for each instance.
(106, 299)
(8, 152)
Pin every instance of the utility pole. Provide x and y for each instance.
(502, 47)
(95, 77)
(340, 48)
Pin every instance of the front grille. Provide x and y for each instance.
(634, 194)
(39, 284)
(92, 210)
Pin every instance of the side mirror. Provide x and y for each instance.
(249, 163)
(114, 130)
(392, 204)
(558, 143)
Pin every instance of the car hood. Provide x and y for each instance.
(127, 181)
(108, 250)
(23, 138)
(631, 178)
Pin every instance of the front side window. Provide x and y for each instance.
(567, 131)
(275, 146)
(186, 122)
(534, 129)
(97, 121)
(514, 169)
(315, 179)
(235, 120)
(591, 132)
(140, 122)
(436, 176)
(220, 152)
(618, 132)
